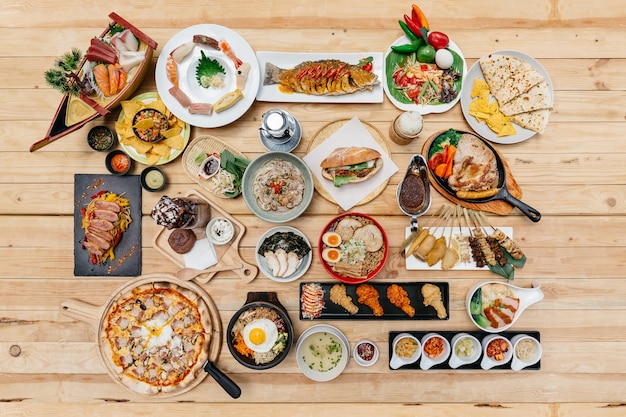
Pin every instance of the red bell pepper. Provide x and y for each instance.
(413, 26)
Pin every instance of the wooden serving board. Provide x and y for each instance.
(96, 315)
(325, 132)
(207, 144)
(495, 206)
(227, 254)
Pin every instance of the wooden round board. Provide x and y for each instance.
(495, 206)
(325, 132)
(208, 144)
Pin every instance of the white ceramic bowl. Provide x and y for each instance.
(518, 363)
(469, 354)
(304, 265)
(220, 230)
(360, 360)
(312, 335)
(488, 362)
(525, 296)
(397, 361)
(428, 362)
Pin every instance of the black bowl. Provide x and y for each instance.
(100, 138)
(153, 134)
(113, 165)
(254, 300)
(152, 179)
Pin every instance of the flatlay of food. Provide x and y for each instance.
(424, 71)
(461, 236)
(351, 164)
(395, 301)
(150, 128)
(104, 219)
(521, 91)
(278, 185)
(222, 173)
(331, 77)
(284, 252)
(261, 334)
(361, 251)
(209, 73)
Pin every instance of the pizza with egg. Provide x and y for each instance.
(156, 336)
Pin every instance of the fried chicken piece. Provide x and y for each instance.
(400, 298)
(432, 297)
(369, 296)
(338, 296)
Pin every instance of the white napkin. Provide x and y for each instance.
(201, 256)
(352, 133)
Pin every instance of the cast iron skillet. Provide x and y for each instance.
(503, 192)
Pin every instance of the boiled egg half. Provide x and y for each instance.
(332, 239)
(331, 255)
(260, 335)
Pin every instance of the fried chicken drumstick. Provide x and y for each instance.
(400, 298)
(369, 296)
(432, 297)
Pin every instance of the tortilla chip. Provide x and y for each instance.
(161, 149)
(144, 124)
(131, 107)
(152, 158)
(171, 132)
(479, 86)
(158, 105)
(176, 142)
(501, 124)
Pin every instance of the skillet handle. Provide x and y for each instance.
(225, 382)
(530, 212)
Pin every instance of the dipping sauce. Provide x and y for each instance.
(365, 351)
(100, 138)
(209, 166)
(464, 348)
(154, 179)
(120, 163)
(321, 352)
(412, 193)
(220, 230)
(148, 125)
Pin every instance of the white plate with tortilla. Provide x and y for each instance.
(481, 128)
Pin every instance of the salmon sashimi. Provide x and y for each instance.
(110, 79)
(101, 77)
(114, 79)
(329, 77)
(171, 68)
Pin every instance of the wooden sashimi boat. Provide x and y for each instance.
(75, 111)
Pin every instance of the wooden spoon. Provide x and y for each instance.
(188, 274)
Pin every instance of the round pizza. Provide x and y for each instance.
(156, 337)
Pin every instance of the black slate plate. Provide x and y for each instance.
(127, 260)
(333, 311)
(478, 335)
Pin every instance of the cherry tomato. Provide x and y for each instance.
(366, 63)
(438, 40)
(426, 54)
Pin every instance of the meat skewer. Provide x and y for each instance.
(477, 253)
(507, 243)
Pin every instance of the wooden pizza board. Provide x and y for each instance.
(325, 132)
(495, 206)
(95, 316)
(227, 254)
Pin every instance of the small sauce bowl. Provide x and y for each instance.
(118, 162)
(152, 133)
(396, 360)
(100, 138)
(209, 167)
(526, 351)
(152, 179)
(466, 349)
(220, 230)
(365, 353)
(429, 360)
(503, 357)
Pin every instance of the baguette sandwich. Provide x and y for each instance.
(351, 165)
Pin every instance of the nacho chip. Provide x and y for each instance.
(152, 158)
(131, 107)
(171, 132)
(479, 86)
(501, 124)
(144, 124)
(161, 149)
(139, 145)
(176, 142)
(158, 105)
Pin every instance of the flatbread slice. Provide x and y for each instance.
(497, 68)
(522, 80)
(534, 120)
(537, 98)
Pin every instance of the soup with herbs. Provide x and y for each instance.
(321, 352)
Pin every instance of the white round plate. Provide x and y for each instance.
(141, 157)
(187, 75)
(262, 263)
(436, 108)
(345, 353)
(466, 98)
(276, 216)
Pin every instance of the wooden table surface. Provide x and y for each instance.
(573, 174)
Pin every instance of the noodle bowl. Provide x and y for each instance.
(278, 186)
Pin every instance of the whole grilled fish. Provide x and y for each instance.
(330, 77)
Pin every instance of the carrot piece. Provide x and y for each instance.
(440, 170)
(449, 161)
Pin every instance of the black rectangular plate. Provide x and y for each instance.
(478, 335)
(333, 311)
(127, 260)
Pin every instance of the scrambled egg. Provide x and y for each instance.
(488, 112)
